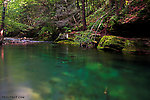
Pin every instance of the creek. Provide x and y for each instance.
(44, 71)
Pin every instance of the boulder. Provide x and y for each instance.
(130, 46)
(112, 43)
(125, 45)
(137, 46)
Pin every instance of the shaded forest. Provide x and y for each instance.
(82, 21)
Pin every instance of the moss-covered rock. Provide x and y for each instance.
(125, 45)
(137, 46)
(111, 43)
(67, 42)
(130, 46)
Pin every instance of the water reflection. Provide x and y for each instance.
(2, 54)
(48, 72)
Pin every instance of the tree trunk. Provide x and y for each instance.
(93, 6)
(83, 15)
(2, 25)
(122, 2)
(116, 6)
(110, 3)
(78, 4)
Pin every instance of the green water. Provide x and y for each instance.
(61, 72)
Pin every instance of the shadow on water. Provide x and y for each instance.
(61, 72)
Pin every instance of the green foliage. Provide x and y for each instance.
(67, 29)
(83, 37)
(26, 15)
(48, 33)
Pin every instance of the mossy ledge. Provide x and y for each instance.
(124, 45)
(67, 42)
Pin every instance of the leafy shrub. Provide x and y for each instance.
(48, 33)
(83, 37)
(67, 29)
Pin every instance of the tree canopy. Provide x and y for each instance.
(50, 17)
